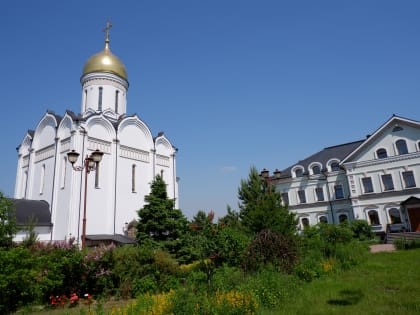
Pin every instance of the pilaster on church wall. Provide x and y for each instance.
(75, 184)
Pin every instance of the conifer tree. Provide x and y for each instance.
(8, 227)
(261, 207)
(159, 221)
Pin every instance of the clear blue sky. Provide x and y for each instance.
(231, 83)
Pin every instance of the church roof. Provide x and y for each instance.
(110, 238)
(105, 61)
(39, 210)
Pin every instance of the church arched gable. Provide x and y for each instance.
(64, 129)
(26, 145)
(133, 132)
(45, 132)
(100, 128)
(163, 146)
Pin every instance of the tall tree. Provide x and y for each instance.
(159, 221)
(261, 207)
(8, 228)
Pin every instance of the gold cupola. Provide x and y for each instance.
(105, 61)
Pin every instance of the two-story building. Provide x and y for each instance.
(376, 179)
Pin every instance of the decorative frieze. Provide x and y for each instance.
(44, 153)
(134, 154)
(162, 160)
(96, 144)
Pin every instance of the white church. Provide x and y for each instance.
(63, 197)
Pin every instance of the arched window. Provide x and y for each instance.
(335, 167)
(394, 216)
(316, 170)
(85, 101)
(298, 172)
(116, 100)
(373, 217)
(401, 147)
(342, 218)
(63, 172)
(381, 153)
(42, 180)
(100, 99)
(133, 178)
(323, 219)
(304, 222)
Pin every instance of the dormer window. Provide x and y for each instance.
(316, 170)
(401, 147)
(381, 153)
(335, 167)
(297, 171)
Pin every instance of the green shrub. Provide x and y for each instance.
(362, 230)
(271, 248)
(270, 287)
(227, 278)
(403, 243)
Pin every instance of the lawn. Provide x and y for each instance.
(387, 283)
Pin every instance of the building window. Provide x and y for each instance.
(323, 219)
(381, 153)
(63, 172)
(302, 196)
(100, 99)
(387, 182)
(319, 194)
(339, 193)
(408, 178)
(42, 180)
(116, 100)
(394, 216)
(299, 172)
(401, 147)
(316, 170)
(133, 178)
(373, 217)
(343, 218)
(335, 167)
(97, 175)
(285, 198)
(304, 222)
(367, 185)
(85, 101)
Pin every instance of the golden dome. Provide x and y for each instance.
(105, 61)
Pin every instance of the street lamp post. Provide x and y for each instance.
(90, 163)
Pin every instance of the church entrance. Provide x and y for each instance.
(414, 216)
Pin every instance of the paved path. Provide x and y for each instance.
(382, 248)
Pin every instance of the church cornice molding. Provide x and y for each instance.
(104, 79)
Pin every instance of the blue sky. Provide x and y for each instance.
(232, 83)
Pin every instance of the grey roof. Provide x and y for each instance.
(38, 209)
(117, 238)
(338, 152)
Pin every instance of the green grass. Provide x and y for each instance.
(386, 284)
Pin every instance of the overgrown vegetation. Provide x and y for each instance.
(248, 261)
